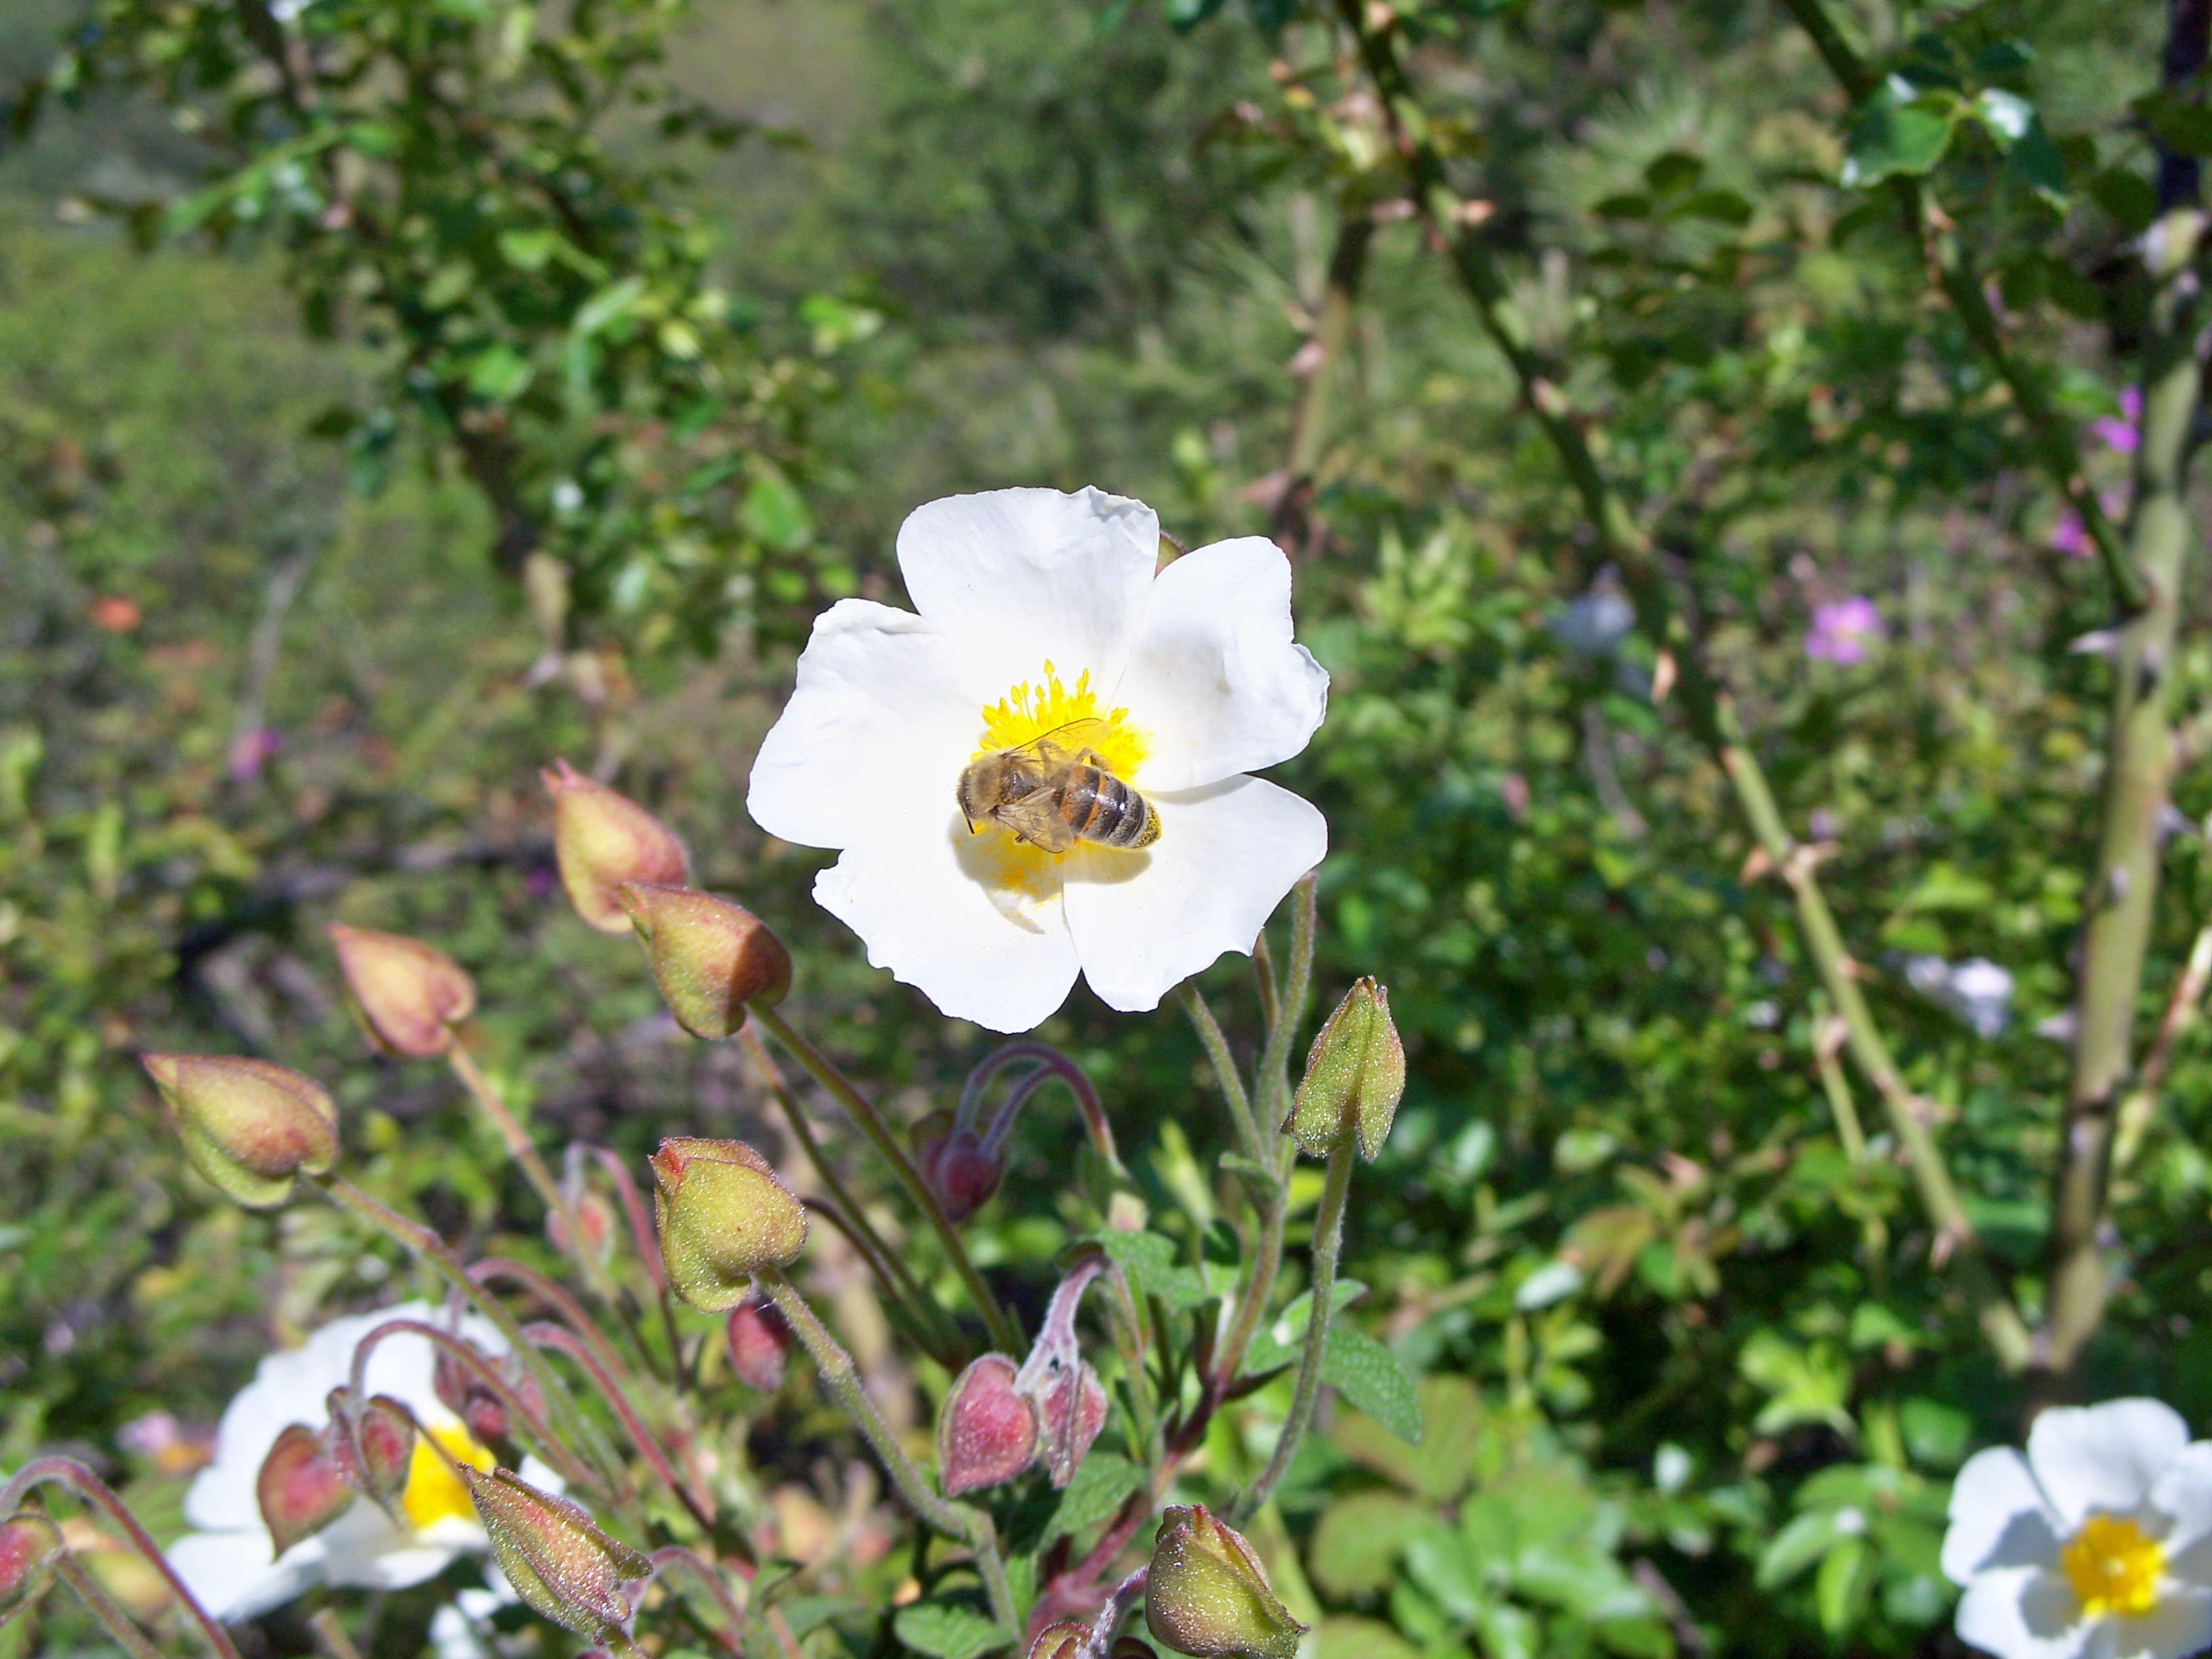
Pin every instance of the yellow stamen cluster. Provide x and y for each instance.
(1028, 711)
(434, 1493)
(2113, 1567)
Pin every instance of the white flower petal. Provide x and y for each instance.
(454, 1635)
(884, 715)
(934, 909)
(2180, 1624)
(2102, 1457)
(2183, 1494)
(1019, 576)
(234, 1576)
(2018, 1612)
(1215, 683)
(1998, 1518)
(1146, 921)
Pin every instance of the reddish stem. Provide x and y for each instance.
(564, 1341)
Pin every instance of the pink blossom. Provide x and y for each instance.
(2122, 434)
(1842, 630)
(2069, 536)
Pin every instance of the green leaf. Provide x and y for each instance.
(1150, 1260)
(1368, 1374)
(775, 514)
(1457, 1429)
(1934, 1434)
(1436, 1560)
(1508, 1632)
(1100, 1483)
(1360, 1639)
(1672, 173)
(607, 306)
(944, 1630)
(1795, 1547)
(1723, 207)
(1279, 1343)
(1841, 1585)
(1358, 1539)
(1899, 134)
(2182, 126)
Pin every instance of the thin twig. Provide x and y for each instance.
(524, 1153)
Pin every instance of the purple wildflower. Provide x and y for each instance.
(1842, 629)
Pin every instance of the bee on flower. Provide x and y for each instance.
(2096, 1545)
(1043, 770)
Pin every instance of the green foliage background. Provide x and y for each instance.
(1692, 1377)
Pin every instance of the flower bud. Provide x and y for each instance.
(601, 840)
(248, 1125)
(385, 1430)
(760, 1342)
(410, 995)
(1354, 1076)
(960, 1174)
(724, 1216)
(463, 1391)
(595, 1220)
(710, 957)
(1207, 1595)
(301, 1489)
(987, 1432)
(558, 1560)
(1070, 1408)
(30, 1543)
(1059, 1642)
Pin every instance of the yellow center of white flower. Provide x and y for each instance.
(434, 1493)
(2113, 1567)
(1029, 711)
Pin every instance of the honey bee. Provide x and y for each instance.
(1055, 790)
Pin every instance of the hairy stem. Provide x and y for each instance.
(732, 1640)
(1215, 1045)
(1328, 1237)
(524, 1151)
(116, 1622)
(694, 1497)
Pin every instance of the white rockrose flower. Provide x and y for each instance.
(1040, 617)
(2097, 1545)
(228, 1560)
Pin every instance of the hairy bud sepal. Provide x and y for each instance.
(410, 995)
(559, 1563)
(373, 1445)
(601, 840)
(987, 1432)
(1207, 1595)
(710, 957)
(1060, 1642)
(1355, 1076)
(302, 1486)
(724, 1218)
(760, 1343)
(961, 1173)
(248, 1125)
(30, 1544)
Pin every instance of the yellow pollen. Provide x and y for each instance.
(2113, 1568)
(434, 1493)
(1028, 711)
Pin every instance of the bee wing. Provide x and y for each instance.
(1069, 739)
(1036, 818)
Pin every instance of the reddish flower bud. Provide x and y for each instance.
(408, 995)
(1071, 1408)
(595, 1220)
(1355, 1076)
(710, 957)
(987, 1432)
(961, 1174)
(1059, 1642)
(384, 1430)
(1207, 1595)
(301, 1489)
(760, 1343)
(601, 840)
(463, 1391)
(724, 1216)
(558, 1560)
(29, 1546)
(248, 1125)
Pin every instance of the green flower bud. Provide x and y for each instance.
(248, 1125)
(601, 840)
(1355, 1074)
(724, 1216)
(1207, 1595)
(301, 1489)
(409, 995)
(558, 1560)
(29, 1546)
(710, 957)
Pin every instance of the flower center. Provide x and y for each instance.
(1029, 711)
(434, 1493)
(2113, 1567)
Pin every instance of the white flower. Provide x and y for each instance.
(229, 1562)
(1977, 990)
(2097, 1544)
(1038, 609)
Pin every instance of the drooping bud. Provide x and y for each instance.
(1071, 1411)
(601, 840)
(558, 1560)
(482, 1410)
(409, 995)
(710, 957)
(961, 1174)
(595, 1220)
(987, 1432)
(1354, 1076)
(374, 1448)
(30, 1544)
(760, 1343)
(724, 1216)
(1059, 1642)
(248, 1125)
(1207, 1595)
(301, 1488)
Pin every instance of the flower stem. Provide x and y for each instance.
(863, 1112)
(67, 1472)
(1274, 1078)
(464, 1353)
(1329, 1237)
(524, 1153)
(116, 1623)
(562, 1340)
(676, 1556)
(1215, 1045)
(330, 1636)
(969, 1526)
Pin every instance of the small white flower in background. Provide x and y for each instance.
(228, 1560)
(1039, 609)
(1977, 990)
(2097, 1543)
